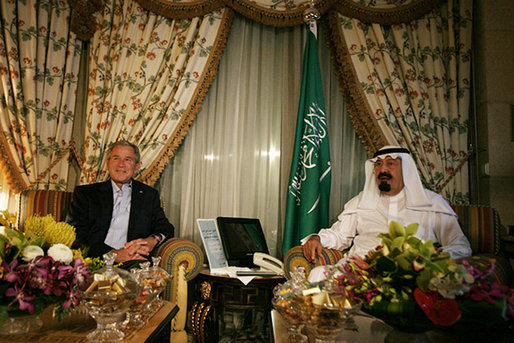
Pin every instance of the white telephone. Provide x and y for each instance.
(268, 262)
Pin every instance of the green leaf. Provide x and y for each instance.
(385, 264)
(423, 279)
(411, 229)
(396, 229)
(404, 263)
(383, 235)
(3, 240)
(387, 241)
(398, 243)
(434, 266)
(474, 312)
(14, 233)
(404, 296)
(3, 314)
(415, 243)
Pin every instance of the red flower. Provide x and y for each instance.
(440, 311)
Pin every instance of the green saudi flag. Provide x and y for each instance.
(309, 182)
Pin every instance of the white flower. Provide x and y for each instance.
(60, 252)
(30, 252)
(455, 283)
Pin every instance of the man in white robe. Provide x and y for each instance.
(393, 191)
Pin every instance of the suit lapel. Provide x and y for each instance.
(106, 203)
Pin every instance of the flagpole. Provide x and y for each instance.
(311, 16)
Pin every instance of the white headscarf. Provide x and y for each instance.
(416, 196)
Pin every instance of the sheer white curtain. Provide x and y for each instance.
(236, 157)
(8, 200)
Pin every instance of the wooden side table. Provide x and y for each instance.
(74, 329)
(220, 296)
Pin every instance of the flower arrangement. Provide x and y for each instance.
(405, 271)
(38, 268)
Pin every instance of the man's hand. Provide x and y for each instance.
(127, 254)
(311, 248)
(144, 246)
(137, 249)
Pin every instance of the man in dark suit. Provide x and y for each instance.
(121, 214)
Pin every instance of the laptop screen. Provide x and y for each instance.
(241, 237)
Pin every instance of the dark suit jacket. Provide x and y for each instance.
(91, 211)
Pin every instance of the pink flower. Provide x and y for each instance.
(20, 297)
(73, 299)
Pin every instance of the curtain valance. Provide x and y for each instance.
(269, 12)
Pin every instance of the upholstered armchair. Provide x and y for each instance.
(183, 259)
(41, 202)
(481, 224)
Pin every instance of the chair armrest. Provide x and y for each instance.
(295, 258)
(177, 251)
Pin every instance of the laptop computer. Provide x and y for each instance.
(241, 238)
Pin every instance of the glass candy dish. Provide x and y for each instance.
(157, 270)
(107, 298)
(283, 303)
(134, 317)
(326, 314)
(152, 284)
(292, 320)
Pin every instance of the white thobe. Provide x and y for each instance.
(361, 227)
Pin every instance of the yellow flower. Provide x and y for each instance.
(37, 224)
(60, 232)
(77, 253)
(7, 218)
(53, 232)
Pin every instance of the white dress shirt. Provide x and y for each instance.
(117, 234)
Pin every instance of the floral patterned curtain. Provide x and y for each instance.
(39, 62)
(415, 78)
(144, 70)
(148, 77)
